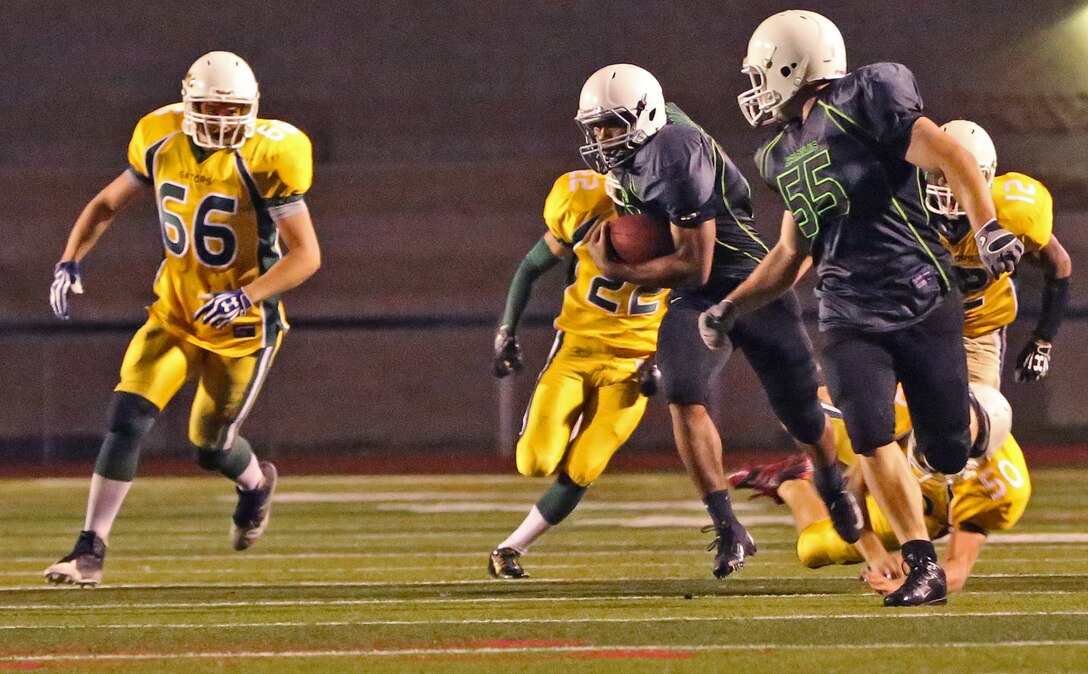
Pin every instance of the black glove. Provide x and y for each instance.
(649, 379)
(998, 248)
(507, 353)
(1033, 362)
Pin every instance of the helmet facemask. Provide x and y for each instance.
(758, 104)
(605, 153)
(219, 131)
(220, 97)
(939, 197)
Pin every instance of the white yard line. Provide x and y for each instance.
(694, 549)
(483, 581)
(631, 649)
(608, 600)
(544, 621)
(360, 570)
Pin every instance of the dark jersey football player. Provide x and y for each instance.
(848, 160)
(663, 164)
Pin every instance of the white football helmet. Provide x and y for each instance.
(623, 97)
(786, 52)
(219, 77)
(995, 422)
(939, 198)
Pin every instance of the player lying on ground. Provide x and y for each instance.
(990, 494)
(1024, 207)
(847, 158)
(228, 187)
(587, 400)
(668, 167)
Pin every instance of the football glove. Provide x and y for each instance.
(223, 308)
(65, 279)
(998, 248)
(715, 324)
(1033, 363)
(507, 353)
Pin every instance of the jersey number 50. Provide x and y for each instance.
(214, 243)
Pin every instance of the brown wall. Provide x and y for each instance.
(437, 131)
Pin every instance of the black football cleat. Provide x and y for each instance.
(250, 517)
(925, 585)
(841, 504)
(83, 566)
(504, 563)
(733, 545)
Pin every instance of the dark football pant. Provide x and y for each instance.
(772, 338)
(928, 358)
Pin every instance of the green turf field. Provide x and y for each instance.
(388, 573)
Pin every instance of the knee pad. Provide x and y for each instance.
(130, 418)
(805, 423)
(131, 415)
(685, 392)
(866, 437)
(945, 455)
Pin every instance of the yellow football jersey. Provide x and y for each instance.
(1025, 208)
(996, 493)
(993, 495)
(621, 315)
(215, 224)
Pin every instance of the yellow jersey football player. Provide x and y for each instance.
(991, 494)
(229, 187)
(592, 392)
(1024, 208)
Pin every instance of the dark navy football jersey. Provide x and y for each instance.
(682, 175)
(843, 174)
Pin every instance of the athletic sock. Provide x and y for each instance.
(238, 459)
(532, 528)
(828, 481)
(252, 477)
(918, 551)
(553, 507)
(103, 504)
(720, 509)
(560, 500)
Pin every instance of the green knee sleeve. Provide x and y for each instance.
(560, 500)
(230, 462)
(131, 417)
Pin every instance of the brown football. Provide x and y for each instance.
(639, 237)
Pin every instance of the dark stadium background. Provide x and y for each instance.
(438, 129)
